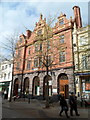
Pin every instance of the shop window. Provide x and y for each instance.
(87, 84)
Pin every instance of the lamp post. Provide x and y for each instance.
(11, 92)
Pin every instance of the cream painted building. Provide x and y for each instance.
(6, 77)
(81, 47)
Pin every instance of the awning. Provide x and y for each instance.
(4, 83)
(87, 73)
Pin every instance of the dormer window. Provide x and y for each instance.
(39, 32)
(20, 40)
(61, 22)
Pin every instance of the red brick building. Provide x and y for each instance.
(29, 68)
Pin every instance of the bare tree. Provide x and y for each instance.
(8, 46)
(47, 50)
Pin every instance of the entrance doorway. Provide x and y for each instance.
(26, 85)
(36, 86)
(45, 87)
(16, 87)
(63, 85)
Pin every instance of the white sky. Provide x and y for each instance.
(17, 15)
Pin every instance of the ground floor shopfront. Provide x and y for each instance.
(59, 82)
(5, 88)
(83, 84)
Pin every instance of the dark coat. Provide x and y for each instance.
(73, 101)
(63, 103)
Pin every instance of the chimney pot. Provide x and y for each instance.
(77, 16)
(28, 34)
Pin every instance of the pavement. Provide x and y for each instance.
(36, 109)
(0, 107)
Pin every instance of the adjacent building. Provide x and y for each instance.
(46, 49)
(81, 45)
(6, 77)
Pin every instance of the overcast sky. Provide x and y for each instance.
(17, 15)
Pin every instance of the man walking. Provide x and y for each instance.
(64, 106)
(73, 104)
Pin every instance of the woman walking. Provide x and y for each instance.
(64, 106)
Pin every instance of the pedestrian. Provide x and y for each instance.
(64, 106)
(73, 104)
(28, 98)
(5, 94)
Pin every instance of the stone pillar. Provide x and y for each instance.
(54, 83)
(41, 76)
(71, 83)
(30, 84)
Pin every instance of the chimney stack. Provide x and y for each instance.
(28, 34)
(41, 16)
(77, 16)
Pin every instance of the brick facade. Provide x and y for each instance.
(25, 67)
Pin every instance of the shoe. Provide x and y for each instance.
(60, 115)
(68, 117)
(77, 114)
(71, 115)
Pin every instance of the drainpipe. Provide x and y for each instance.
(23, 66)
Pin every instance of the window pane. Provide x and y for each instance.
(84, 62)
(18, 65)
(19, 52)
(48, 44)
(62, 39)
(61, 22)
(40, 61)
(20, 39)
(36, 47)
(40, 46)
(39, 32)
(62, 56)
(29, 51)
(36, 63)
(9, 65)
(83, 40)
(28, 64)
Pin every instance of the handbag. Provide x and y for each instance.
(65, 108)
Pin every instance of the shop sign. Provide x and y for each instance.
(87, 86)
(4, 83)
(87, 73)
